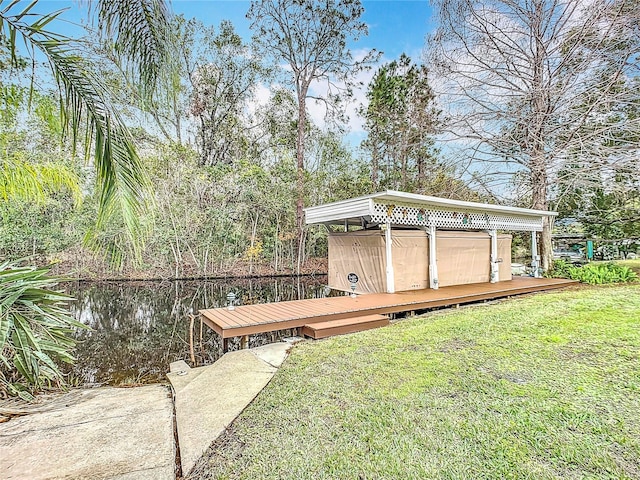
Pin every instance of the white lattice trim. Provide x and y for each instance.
(400, 213)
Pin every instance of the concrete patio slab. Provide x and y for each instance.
(104, 433)
(208, 399)
(273, 354)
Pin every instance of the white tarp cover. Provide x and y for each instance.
(463, 257)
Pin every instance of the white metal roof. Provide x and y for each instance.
(403, 208)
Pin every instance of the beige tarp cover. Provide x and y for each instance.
(504, 256)
(463, 257)
(410, 257)
(362, 253)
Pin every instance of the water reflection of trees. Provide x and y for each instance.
(138, 328)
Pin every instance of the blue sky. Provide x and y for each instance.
(395, 26)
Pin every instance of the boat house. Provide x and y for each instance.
(397, 241)
(399, 248)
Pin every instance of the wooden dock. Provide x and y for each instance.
(344, 325)
(269, 317)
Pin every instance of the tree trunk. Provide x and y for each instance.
(537, 134)
(302, 117)
(374, 167)
(254, 232)
(421, 171)
(177, 123)
(275, 244)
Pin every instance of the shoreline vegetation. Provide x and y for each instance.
(100, 272)
(235, 270)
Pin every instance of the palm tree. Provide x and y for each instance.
(140, 38)
(34, 324)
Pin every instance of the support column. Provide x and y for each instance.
(535, 258)
(494, 274)
(391, 287)
(433, 261)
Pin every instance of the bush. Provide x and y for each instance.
(594, 273)
(35, 330)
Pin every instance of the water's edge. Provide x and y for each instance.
(139, 327)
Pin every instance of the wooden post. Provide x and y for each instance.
(201, 326)
(225, 345)
(391, 288)
(433, 261)
(191, 349)
(244, 342)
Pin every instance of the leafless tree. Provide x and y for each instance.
(543, 93)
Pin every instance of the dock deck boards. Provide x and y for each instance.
(269, 317)
(319, 330)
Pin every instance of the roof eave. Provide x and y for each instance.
(363, 206)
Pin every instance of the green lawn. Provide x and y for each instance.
(542, 386)
(632, 264)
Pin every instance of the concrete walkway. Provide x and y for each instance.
(208, 399)
(128, 433)
(102, 433)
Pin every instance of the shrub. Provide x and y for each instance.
(594, 273)
(35, 330)
(561, 269)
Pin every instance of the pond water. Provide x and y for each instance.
(139, 328)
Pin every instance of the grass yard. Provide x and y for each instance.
(542, 386)
(632, 264)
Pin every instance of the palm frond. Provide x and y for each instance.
(139, 30)
(13, 21)
(23, 180)
(120, 177)
(35, 329)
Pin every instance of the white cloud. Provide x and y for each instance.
(261, 93)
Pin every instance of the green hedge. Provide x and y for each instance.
(593, 273)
